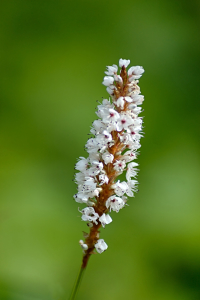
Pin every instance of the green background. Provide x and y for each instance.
(53, 55)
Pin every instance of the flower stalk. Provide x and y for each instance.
(112, 150)
(77, 284)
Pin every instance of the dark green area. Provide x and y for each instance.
(53, 56)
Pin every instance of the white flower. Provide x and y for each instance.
(124, 121)
(89, 214)
(82, 164)
(94, 156)
(83, 246)
(88, 190)
(135, 72)
(136, 110)
(132, 106)
(129, 156)
(110, 89)
(108, 80)
(137, 121)
(137, 99)
(120, 102)
(79, 199)
(88, 184)
(118, 78)
(103, 178)
(92, 146)
(134, 145)
(110, 115)
(104, 137)
(105, 219)
(128, 99)
(115, 203)
(126, 138)
(111, 126)
(134, 88)
(131, 187)
(120, 188)
(99, 126)
(101, 246)
(119, 165)
(79, 178)
(105, 104)
(131, 171)
(124, 62)
(107, 157)
(131, 130)
(111, 70)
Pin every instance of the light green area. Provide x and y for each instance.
(53, 56)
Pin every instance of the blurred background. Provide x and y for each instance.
(53, 55)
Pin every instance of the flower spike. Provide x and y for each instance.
(112, 150)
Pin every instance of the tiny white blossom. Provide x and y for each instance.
(137, 122)
(83, 245)
(94, 156)
(118, 78)
(134, 88)
(80, 199)
(105, 136)
(103, 178)
(99, 126)
(120, 188)
(125, 139)
(124, 62)
(108, 80)
(89, 214)
(105, 104)
(97, 167)
(131, 130)
(115, 203)
(135, 109)
(101, 246)
(120, 102)
(110, 116)
(92, 146)
(107, 157)
(135, 72)
(128, 99)
(124, 121)
(132, 106)
(129, 156)
(111, 126)
(88, 184)
(137, 99)
(110, 90)
(105, 219)
(133, 145)
(81, 165)
(79, 178)
(119, 165)
(131, 171)
(111, 70)
(131, 187)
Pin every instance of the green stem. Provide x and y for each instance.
(77, 284)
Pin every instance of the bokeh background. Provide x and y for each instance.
(53, 55)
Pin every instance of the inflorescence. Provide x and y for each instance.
(112, 150)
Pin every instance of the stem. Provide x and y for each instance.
(77, 284)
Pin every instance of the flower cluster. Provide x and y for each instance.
(112, 150)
